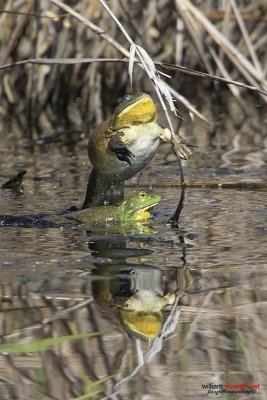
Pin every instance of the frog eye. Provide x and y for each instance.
(125, 99)
(142, 195)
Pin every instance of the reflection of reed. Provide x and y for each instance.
(227, 156)
(220, 331)
(256, 158)
(37, 311)
(251, 159)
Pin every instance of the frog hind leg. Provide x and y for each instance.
(101, 192)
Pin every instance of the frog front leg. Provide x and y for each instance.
(117, 145)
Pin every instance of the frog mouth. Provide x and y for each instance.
(147, 208)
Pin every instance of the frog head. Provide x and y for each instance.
(134, 110)
(139, 207)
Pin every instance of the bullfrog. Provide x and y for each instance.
(135, 208)
(122, 146)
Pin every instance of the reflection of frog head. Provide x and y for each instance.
(142, 325)
(141, 315)
(134, 110)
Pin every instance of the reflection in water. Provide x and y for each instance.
(51, 322)
(135, 293)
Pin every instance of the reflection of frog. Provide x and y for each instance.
(122, 146)
(136, 296)
(135, 208)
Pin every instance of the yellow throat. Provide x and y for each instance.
(139, 109)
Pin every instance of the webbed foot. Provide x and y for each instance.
(183, 151)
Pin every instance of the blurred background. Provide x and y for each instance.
(218, 37)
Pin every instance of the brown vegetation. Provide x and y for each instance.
(232, 46)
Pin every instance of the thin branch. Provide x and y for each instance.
(199, 74)
(185, 70)
(175, 217)
(221, 67)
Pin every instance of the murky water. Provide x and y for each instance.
(178, 311)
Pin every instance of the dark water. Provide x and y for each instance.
(175, 309)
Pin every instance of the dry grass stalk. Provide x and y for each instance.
(90, 25)
(245, 34)
(243, 64)
(225, 74)
(191, 27)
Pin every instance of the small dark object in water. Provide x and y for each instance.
(15, 181)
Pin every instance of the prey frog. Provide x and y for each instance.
(122, 146)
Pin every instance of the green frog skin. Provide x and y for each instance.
(136, 208)
(122, 146)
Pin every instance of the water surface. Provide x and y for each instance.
(200, 289)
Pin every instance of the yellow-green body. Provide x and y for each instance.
(136, 208)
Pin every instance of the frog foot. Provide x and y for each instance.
(183, 151)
